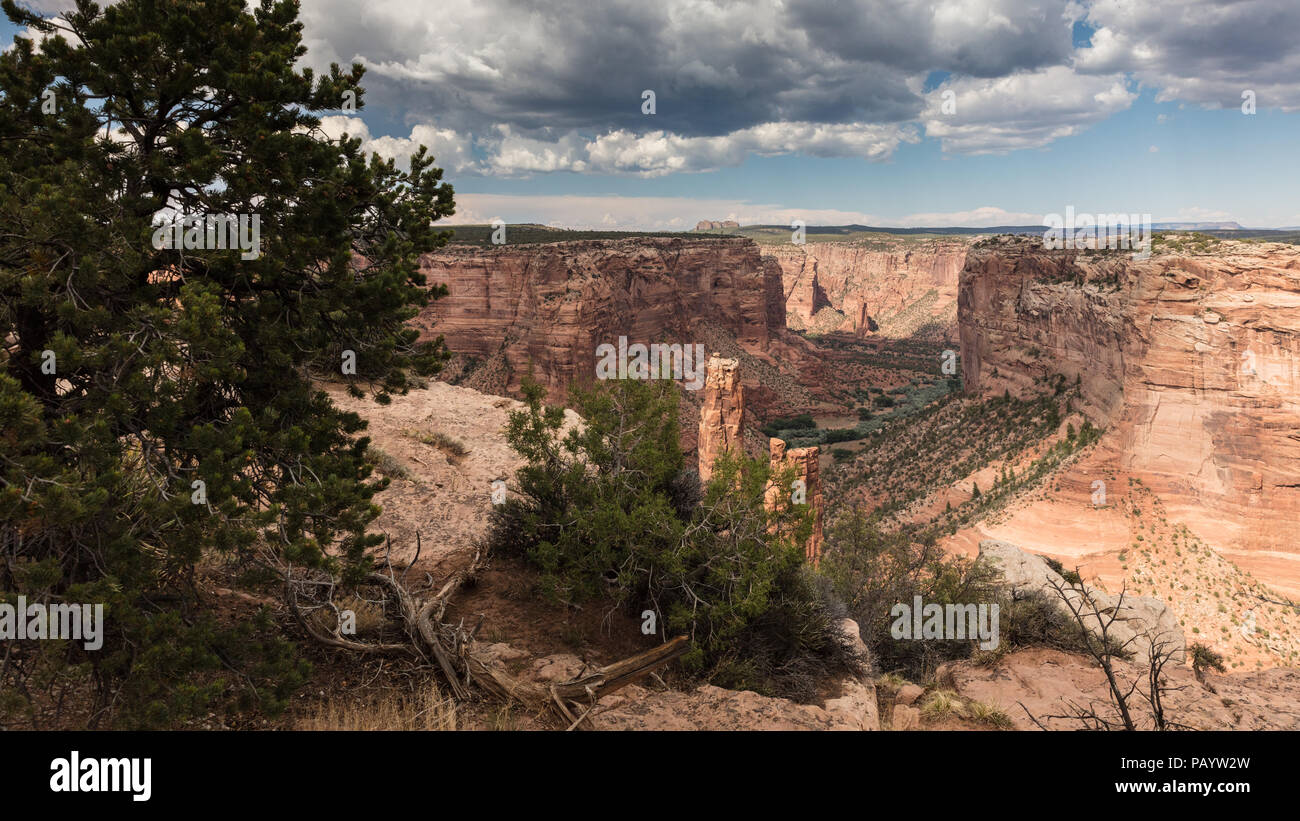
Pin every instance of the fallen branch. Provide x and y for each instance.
(462, 663)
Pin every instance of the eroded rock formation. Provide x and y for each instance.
(808, 489)
(1191, 361)
(722, 414)
(706, 225)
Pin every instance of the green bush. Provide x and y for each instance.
(608, 508)
(803, 421)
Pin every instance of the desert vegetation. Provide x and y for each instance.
(609, 512)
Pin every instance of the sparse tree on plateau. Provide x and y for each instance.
(155, 403)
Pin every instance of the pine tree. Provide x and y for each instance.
(155, 402)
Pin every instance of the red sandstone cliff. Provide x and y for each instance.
(1191, 361)
(546, 307)
(891, 286)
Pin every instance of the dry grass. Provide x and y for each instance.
(943, 703)
(387, 464)
(989, 715)
(426, 709)
(452, 447)
(368, 616)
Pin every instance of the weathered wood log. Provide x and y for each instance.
(461, 662)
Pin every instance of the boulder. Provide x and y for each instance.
(908, 694)
(856, 705)
(1138, 620)
(905, 718)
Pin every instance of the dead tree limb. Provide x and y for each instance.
(457, 655)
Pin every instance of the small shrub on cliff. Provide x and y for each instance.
(608, 508)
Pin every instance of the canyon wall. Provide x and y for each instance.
(893, 287)
(1192, 362)
(546, 307)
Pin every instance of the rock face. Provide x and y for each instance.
(442, 494)
(889, 287)
(1192, 361)
(713, 708)
(546, 307)
(1138, 621)
(722, 417)
(706, 225)
(1046, 681)
(722, 414)
(807, 471)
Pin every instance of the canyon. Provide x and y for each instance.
(1191, 364)
(1186, 361)
(543, 310)
(891, 287)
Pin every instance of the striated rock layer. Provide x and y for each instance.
(892, 287)
(545, 308)
(1191, 361)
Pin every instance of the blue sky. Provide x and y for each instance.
(1230, 165)
(831, 111)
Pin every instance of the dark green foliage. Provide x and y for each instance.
(803, 421)
(840, 435)
(608, 509)
(873, 570)
(1203, 658)
(1071, 577)
(181, 366)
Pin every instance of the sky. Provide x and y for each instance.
(879, 112)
